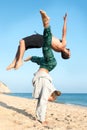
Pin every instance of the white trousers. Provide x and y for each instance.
(43, 88)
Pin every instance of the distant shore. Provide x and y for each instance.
(19, 114)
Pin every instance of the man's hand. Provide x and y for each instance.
(65, 17)
(28, 58)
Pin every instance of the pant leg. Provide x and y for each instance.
(43, 100)
(47, 50)
(41, 109)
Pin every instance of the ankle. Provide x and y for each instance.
(45, 18)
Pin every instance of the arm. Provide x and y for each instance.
(64, 31)
(35, 59)
(28, 58)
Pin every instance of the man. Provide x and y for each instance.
(36, 41)
(44, 89)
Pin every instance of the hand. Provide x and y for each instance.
(28, 58)
(65, 17)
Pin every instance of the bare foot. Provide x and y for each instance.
(11, 66)
(45, 123)
(18, 64)
(45, 18)
(54, 96)
(58, 93)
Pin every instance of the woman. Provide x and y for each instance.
(44, 90)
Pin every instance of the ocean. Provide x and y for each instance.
(65, 98)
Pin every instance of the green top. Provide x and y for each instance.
(48, 60)
(44, 64)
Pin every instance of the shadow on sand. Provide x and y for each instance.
(23, 112)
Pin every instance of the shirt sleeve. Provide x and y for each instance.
(37, 59)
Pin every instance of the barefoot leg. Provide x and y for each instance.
(12, 65)
(20, 55)
(45, 18)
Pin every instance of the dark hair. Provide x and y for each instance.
(65, 55)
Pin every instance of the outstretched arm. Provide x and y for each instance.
(34, 59)
(28, 58)
(64, 31)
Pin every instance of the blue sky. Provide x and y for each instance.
(20, 18)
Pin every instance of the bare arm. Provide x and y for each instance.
(64, 31)
(34, 59)
(28, 58)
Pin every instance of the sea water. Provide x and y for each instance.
(65, 98)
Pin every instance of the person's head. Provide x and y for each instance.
(65, 54)
(54, 95)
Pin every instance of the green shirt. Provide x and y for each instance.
(48, 60)
(44, 64)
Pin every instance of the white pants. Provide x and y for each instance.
(43, 88)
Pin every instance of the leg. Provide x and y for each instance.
(41, 109)
(12, 65)
(42, 100)
(45, 18)
(20, 55)
(54, 95)
(47, 50)
(46, 91)
(17, 62)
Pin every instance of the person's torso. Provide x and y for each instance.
(48, 65)
(56, 44)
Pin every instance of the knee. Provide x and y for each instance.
(21, 42)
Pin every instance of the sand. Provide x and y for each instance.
(19, 114)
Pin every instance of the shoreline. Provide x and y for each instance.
(18, 113)
(58, 100)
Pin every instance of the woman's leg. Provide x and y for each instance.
(45, 18)
(47, 35)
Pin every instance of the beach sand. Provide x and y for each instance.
(19, 114)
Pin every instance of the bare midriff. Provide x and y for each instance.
(43, 69)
